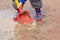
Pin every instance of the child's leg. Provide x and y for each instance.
(14, 4)
(37, 5)
(38, 14)
(15, 18)
(38, 11)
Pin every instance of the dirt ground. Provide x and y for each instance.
(47, 29)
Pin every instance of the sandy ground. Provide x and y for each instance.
(47, 29)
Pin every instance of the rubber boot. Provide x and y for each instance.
(38, 16)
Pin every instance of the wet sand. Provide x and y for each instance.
(47, 29)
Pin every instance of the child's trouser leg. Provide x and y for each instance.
(36, 3)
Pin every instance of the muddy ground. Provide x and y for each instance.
(47, 29)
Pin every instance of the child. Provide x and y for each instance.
(36, 4)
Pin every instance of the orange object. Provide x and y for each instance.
(24, 17)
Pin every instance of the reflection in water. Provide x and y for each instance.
(27, 32)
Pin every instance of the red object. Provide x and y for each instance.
(20, 9)
(24, 17)
(39, 19)
(15, 19)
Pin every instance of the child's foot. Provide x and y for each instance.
(15, 19)
(38, 17)
(38, 14)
